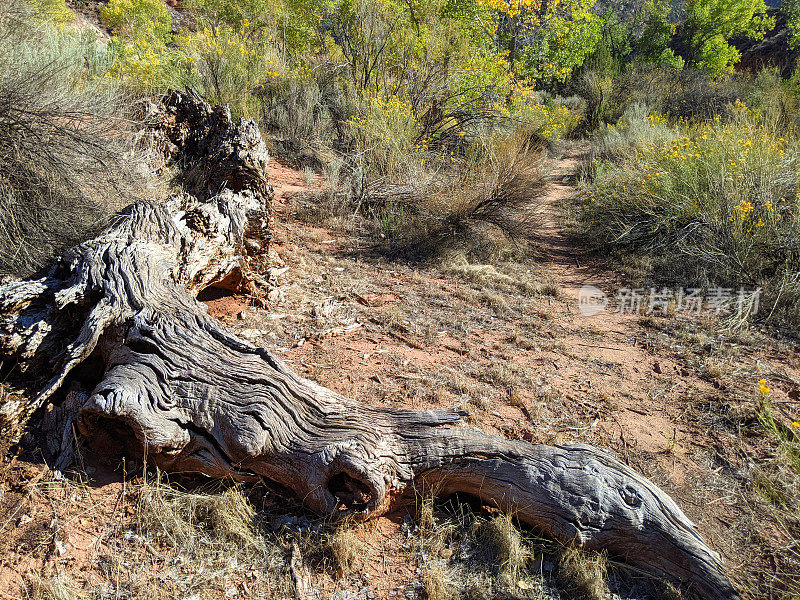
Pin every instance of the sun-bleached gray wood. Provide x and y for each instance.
(115, 330)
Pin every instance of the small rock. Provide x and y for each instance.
(524, 584)
(250, 335)
(274, 273)
(61, 548)
(276, 295)
(252, 246)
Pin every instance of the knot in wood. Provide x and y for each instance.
(631, 497)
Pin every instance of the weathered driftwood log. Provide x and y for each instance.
(114, 341)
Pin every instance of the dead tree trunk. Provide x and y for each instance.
(114, 341)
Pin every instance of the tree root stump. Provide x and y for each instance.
(115, 342)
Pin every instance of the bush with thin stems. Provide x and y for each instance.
(65, 158)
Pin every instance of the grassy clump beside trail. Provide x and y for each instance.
(708, 203)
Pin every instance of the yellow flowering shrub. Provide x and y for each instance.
(550, 121)
(143, 58)
(130, 18)
(723, 196)
(786, 436)
(148, 64)
(386, 130)
(53, 11)
(228, 63)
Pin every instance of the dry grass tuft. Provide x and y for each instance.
(179, 543)
(59, 587)
(503, 545)
(583, 574)
(476, 586)
(435, 534)
(467, 209)
(510, 273)
(667, 591)
(194, 521)
(425, 514)
(439, 584)
(343, 549)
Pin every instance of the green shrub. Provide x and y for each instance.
(228, 64)
(597, 90)
(711, 203)
(306, 113)
(638, 126)
(135, 18)
(689, 93)
(385, 132)
(550, 119)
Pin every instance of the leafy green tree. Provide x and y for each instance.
(711, 23)
(791, 9)
(613, 47)
(545, 39)
(656, 35)
(235, 13)
(365, 32)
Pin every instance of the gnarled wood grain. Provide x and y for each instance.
(116, 330)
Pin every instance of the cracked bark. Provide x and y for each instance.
(114, 335)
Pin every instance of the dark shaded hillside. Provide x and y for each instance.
(772, 51)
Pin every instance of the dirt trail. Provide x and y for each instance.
(610, 337)
(565, 257)
(601, 370)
